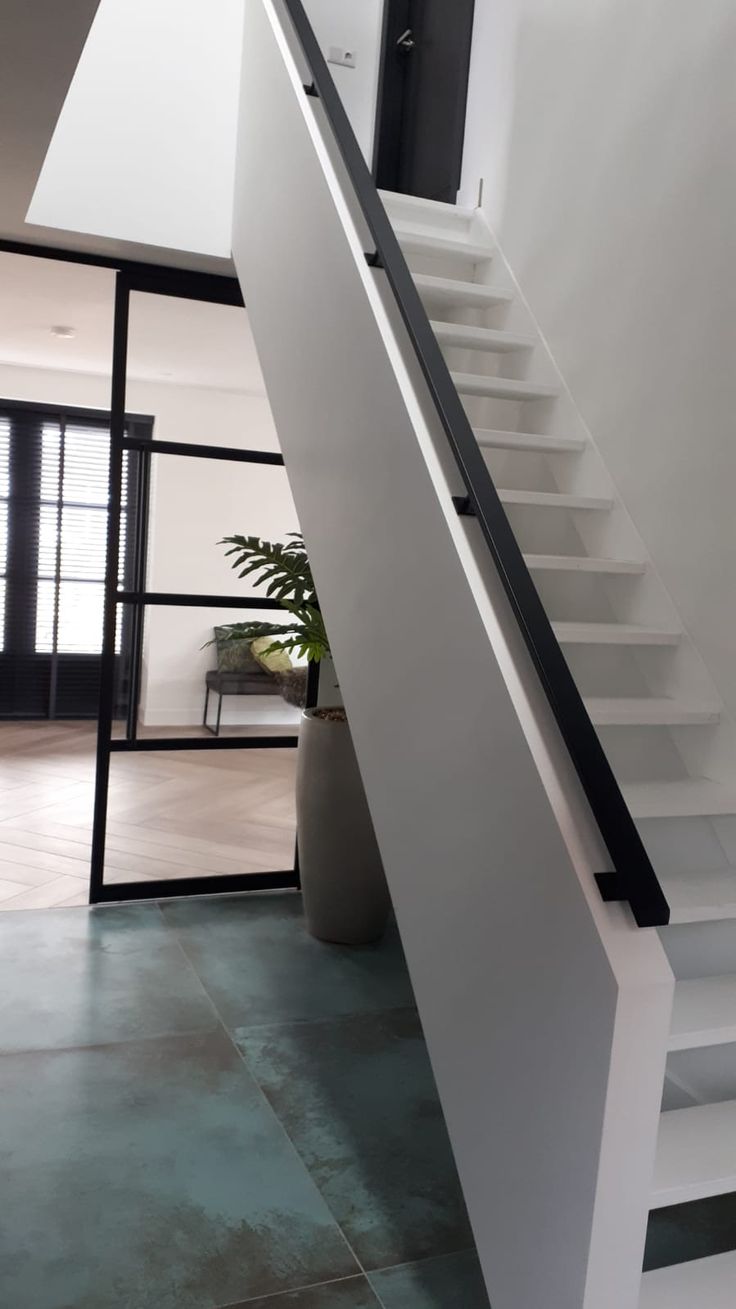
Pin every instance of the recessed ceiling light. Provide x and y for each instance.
(63, 333)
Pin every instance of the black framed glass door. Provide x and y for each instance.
(75, 485)
(188, 844)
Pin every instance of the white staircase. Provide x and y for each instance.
(576, 1092)
(645, 697)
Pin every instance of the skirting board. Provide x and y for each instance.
(262, 710)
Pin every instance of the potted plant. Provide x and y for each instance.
(344, 889)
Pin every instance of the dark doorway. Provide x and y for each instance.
(423, 97)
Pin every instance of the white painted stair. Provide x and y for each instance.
(696, 1154)
(583, 564)
(704, 1012)
(553, 500)
(643, 711)
(417, 241)
(459, 336)
(693, 797)
(452, 291)
(701, 897)
(532, 442)
(614, 634)
(702, 1284)
(696, 1148)
(502, 388)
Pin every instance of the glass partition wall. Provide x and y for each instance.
(196, 758)
(132, 751)
(56, 334)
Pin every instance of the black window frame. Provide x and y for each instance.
(48, 685)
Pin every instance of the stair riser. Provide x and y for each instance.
(534, 500)
(695, 718)
(501, 388)
(528, 443)
(480, 340)
(583, 566)
(437, 218)
(458, 293)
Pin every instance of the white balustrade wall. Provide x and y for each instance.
(545, 1011)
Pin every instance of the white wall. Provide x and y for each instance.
(144, 148)
(603, 132)
(354, 25)
(192, 506)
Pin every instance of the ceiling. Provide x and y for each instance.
(174, 341)
(41, 43)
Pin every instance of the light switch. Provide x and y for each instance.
(337, 54)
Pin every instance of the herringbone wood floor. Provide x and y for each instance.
(170, 814)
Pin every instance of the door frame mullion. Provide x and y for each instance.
(107, 665)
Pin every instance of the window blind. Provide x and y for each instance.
(4, 493)
(54, 499)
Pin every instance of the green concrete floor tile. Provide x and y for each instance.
(683, 1232)
(72, 977)
(152, 1175)
(260, 965)
(358, 1099)
(451, 1282)
(352, 1294)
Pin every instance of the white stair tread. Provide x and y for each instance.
(429, 210)
(554, 500)
(697, 897)
(696, 1154)
(448, 290)
(488, 438)
(613, 634)
(689, 798)
(702, 1284)
(704, 1012)
(648, 711)
(583, 564)
(503, 388)
(419, 241)
(480, 338)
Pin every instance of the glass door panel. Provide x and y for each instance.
(186, 806)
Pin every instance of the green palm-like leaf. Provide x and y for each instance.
(283, 568)
(309, 636)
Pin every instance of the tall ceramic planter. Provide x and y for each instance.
(344, 889)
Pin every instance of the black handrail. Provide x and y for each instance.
(633, 878)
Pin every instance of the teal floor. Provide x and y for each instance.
(203, 1107)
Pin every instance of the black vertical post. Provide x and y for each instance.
(311, 701)
(25, 692)
(138, 583)
(54, 675)
(107, 668)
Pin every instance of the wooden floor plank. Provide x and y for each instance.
(171, 814)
